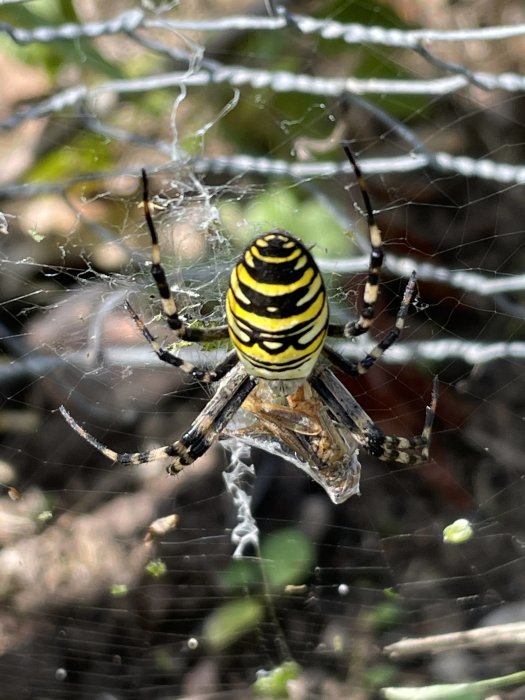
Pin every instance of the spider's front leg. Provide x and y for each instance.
(197, 439)
(169, 305)
(371, 291)
(389, 448)
(171, 313)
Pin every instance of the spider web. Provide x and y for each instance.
(123, 583)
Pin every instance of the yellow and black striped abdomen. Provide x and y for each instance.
(276, 308)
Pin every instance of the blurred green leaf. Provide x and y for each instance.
(458, 532)
(281, 208)
(241, 573)
(385, 614)
(475, 690)
(231, 621)
(287, 557)
(86, 152)
(156, 568)
(52, 56)
(378, 675)
(119, 590)
(275, 683)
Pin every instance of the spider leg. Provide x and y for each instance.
(360, 367)
(202, 375)
(169, 306)
(389, 448)
(197, 439)
(371, 293)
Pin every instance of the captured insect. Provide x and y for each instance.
(277, 319)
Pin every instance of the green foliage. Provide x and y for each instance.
(274, 684)
(44, 516)
(119, 590)
(231, 621)
(156, 568)
(280, 207)
(385, 615)
(458, 532)
(379, 675)
(367, 12)
(286, 558)
(85, 152)
(53, 56)
(475, 690)
(289, 113)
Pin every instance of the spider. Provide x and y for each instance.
(277, 319)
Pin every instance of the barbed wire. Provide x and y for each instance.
(280, 81)
(353, 33)
(202, 72)
(436, 351)
(243, 164)
(484, 168)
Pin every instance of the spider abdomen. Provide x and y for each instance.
(276, 308)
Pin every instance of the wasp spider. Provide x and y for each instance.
(277, 320)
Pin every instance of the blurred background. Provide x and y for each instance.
(237, 110)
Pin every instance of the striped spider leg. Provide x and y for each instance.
(371, 291)
(217, 413)
(389, 448)
(171, 313)
(360, 367)
(222, 406)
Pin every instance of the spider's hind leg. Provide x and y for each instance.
(412, 450)
(389, 448)
(197, 439)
